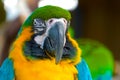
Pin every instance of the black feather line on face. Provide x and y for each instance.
(33, 50)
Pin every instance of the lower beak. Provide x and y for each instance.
(57, 35)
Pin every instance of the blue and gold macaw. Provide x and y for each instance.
(44, 50)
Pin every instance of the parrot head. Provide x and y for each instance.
(49, 39)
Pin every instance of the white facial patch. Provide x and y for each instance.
(40, 40)
(52, 21)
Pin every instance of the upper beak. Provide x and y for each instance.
(57, 35)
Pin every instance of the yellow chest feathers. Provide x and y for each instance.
(44, 70)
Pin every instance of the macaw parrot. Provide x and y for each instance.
(44, 50)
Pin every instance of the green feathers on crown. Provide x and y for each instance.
(48, 12)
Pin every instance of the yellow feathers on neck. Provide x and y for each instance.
(77, 58)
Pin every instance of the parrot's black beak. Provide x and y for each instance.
(57, 39)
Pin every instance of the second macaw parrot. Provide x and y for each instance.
(44, 50)
(98, 57)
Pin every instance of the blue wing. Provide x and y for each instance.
(83, 71)
(6, 70)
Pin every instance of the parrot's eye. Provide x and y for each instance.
(39, 23)
(39, 26)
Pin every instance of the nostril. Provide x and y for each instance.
(65, 21)
(50, 21)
